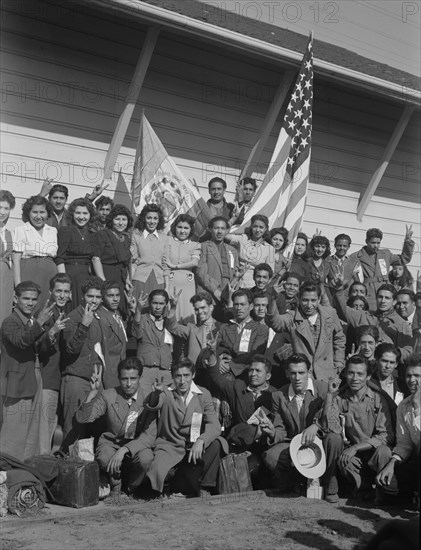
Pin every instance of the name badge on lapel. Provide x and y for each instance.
(196, 424)
(245, 340)
(231, 259)
(131, 425)
(383, 267)
(168, 339)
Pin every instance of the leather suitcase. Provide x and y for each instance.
(77, 481)
(234, 474)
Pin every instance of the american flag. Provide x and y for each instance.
(282, 195)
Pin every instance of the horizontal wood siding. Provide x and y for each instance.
(66, 72)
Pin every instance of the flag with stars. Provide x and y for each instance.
(282, 195)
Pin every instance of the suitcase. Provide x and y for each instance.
(234, 474)
(76, 484)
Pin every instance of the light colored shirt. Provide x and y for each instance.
(407, 429)
(194, 390)
(256, 392)
(32, 243)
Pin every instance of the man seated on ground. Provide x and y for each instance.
(244, 399)
(368, 430)
(392, 328)
(407, 448)
(118, 451)
(296, 408)
(241, 338)
(188, 431)
(315, 330)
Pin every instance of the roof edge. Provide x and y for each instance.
(159, 16)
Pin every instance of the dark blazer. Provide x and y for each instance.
(49, 355)
(115, 347)
(286, 417)
(112, 404)
(17, 371)
(209, 269)
(229, 342)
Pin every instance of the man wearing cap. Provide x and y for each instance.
(296, 408)
(368, 431)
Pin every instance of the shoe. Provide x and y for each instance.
(332, 499)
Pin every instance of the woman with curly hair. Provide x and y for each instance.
(112, 250)
(400, 276)
(147, 248)
(7, 203)
(35, 246)
(299, 261)
(278, 238)
(76, 246)
(181, 257)
(253, 248)
(319, 250)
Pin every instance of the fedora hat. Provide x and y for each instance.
(310, 460)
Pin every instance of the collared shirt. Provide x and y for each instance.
(25, 320)
(339, 260)
(32, 243)
(132, 399)
(410, 319)
(206, 329)
(257, 392)
(119, 321)
(407, 428)
(299, 397)
(240, 326)
(159, 323)
(194, 390)
(147, 233)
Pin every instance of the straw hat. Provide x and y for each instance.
(310, 460)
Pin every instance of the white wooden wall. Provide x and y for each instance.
(65, 74)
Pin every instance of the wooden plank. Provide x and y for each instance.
(384, 162)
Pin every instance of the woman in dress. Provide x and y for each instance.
(147, 248)
(278, 238)
(112, 251)
(35, 247)
(7, 203)
(299, 263)
(181, 256)
(319, 250)
(76, 246)
(253, 248)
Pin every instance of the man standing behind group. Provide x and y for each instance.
(57, 196)
(218, 260)
(217, 204)
(246, 190)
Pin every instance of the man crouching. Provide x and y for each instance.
(119, 451)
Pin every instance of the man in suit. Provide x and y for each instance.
(297, 408)
(241, 338)
(218, 260)
(119, 451)
(315, 331)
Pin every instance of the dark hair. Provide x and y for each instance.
(293, 275)
(304, 237)
(279, 231)
(343, 237)
(158, 292)
(259, 358)
(390, 288)
(86, 203)
(243, 292)
(413, 360)
(386, 347)
(260, 294)
(119, 210)
(183, 363)
(92, 283)
(182, 218)
(405, 280)
(35, 200)
(258, 218)
(140, 222)
(353, 299)
(367, 330)
(409, 292)
(219, 180)
(249, 180)
(263, 267)
(58, 188)
(60, 278)
(103, 201)
(309, 287)
(108, 285)
(26, 286)
(218, 219)
(373, 233)
(6, 196)
(297, 358)
(131, 363)
(320, 239)
(356, 283)
(356, 360)
(201, 296)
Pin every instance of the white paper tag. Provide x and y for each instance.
(383, 267)
(131, 424)
(231, 259)
(245, 340)
(271, 336)
(196, 424)
(168, 339)
(360, 273)
(98, 351)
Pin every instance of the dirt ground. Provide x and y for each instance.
(251, 521)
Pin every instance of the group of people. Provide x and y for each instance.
(239, 345)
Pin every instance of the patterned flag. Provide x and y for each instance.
(158, 180)
(282, 195)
